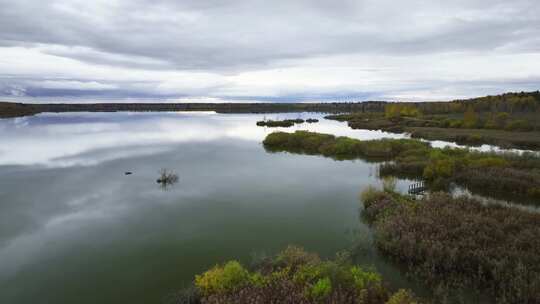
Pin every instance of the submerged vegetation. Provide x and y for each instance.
(478, 171)
(294, 276)
(456, 243)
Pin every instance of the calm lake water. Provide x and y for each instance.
(75, 229)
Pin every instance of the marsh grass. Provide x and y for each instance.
(389, 184)
(505, 173)
(458, 243)
(515, 134)
(338, 147)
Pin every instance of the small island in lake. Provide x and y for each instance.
(284, 123)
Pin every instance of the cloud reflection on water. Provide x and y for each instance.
(70, 139)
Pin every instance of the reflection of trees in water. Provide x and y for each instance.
(166, 178)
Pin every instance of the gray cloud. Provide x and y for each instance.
(234, 37)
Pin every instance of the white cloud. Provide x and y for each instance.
(74, 85)
(257, 49)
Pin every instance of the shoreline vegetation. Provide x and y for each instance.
(510, 120)
(525, 137)
(460, 248)
(453, 244)
(481, 172)
(284, 123)
(293, 276)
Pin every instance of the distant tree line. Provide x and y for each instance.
(524, 102)
(8, 109)
(510, 102)
(11, 109)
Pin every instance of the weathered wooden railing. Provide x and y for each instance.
(417, 188)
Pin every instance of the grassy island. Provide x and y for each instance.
(454, 243)
(284, 123)
(279, 123)
(294, 276)
(275, 123)
(483, 172)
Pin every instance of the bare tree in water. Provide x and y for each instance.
(167, 178)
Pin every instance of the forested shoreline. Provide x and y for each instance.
(523, 102)
(509, 120)
(8, 109)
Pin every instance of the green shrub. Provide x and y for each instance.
(389, 184)
(308, 273)
(292, 276)
(534, 192)
(222, 279)
(257, 279)
(474, 139)
(491, 124)
(346, 146)
(488, 162)
(402, 296)
(518, 125)
(379, 206)
(294, 256)
(321, 289)
(369, 194)
(364, 278)
(454, 123)
(501, 118)
(439, 168)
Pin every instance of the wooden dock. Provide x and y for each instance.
(417, 188)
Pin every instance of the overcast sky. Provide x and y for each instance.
(214, 50)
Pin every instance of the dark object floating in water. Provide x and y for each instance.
(128, 173)
(167, 178)
(312, 120)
